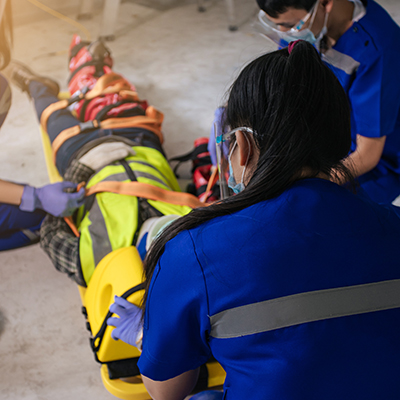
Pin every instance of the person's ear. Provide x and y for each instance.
(327, 4)
(245, 148)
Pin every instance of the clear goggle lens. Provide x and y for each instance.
(224, 145)
(282, 38)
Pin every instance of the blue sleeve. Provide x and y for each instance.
(13, 219)
(176, 324)
(374, 94)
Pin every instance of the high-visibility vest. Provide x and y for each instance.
(109, 221)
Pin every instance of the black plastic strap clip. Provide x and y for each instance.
(89, 125)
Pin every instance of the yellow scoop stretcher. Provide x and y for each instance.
(116, 273)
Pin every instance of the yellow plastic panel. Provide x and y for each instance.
(52, 170)
(216, 374)
(116, 273)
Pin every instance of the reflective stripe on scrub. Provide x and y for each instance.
(112, 220)
(305, 307)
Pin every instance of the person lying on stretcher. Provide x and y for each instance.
(110, 139)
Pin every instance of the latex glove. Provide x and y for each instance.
(105, 154)
(129, 326)
(216, 130)
(52, 198)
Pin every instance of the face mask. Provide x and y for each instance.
(236, 187)
(272, 31)
(309, 36)
(224, 159)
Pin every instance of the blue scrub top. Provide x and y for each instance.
(315, 236)
(18, 228)
(366, 60)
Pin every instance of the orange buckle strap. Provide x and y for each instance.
(69, 133)
(143, 190)
(107, 84)
(151, 121)
(146, 191)
(59, 105)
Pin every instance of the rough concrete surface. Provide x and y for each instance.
(182, 61)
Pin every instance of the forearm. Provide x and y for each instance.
(10, 193)
(359, 164)
(173, 389)
(364, 159)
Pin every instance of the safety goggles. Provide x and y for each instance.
(223, 150)
(272, 31)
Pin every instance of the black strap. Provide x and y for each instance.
(75, 50)
(99, 64)
(123, 368)
(145, 209)
(89, 126)
(202, 380)
(128, 170)
(102, 114)
(98, 339)
(191, 156)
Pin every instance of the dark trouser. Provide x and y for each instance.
(63, 119)
(18, 228)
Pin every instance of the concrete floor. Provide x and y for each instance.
(182, 61)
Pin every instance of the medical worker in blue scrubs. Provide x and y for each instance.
(23, 207)
(293, 284)
(361, 43)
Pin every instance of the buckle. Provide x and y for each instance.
(89, 125)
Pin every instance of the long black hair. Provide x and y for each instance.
(275, 7)
(300, 116)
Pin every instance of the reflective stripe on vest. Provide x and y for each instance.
(305, 307)
(111, 223)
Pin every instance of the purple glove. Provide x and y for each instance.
(52, 198)
(219, 119)
(129, 325)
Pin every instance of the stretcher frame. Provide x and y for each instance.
(114, 276)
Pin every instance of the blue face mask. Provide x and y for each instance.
(236, 187)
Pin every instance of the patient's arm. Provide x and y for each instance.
(62, 246)
(56, 237)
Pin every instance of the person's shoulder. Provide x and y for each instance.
(373, 36)
(377, 29)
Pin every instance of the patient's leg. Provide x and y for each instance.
(43, 96)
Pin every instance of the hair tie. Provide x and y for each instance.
(292, 44)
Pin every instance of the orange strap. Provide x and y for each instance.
(59, 105)
(143, 190)
(69, 220)
(107, 84)
(151, 121)
(212, 181)
(71, 224)
(146, 191)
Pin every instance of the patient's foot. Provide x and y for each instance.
(22, 76)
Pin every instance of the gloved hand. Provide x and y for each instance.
(105, 154)
(52, 198)
(129, 326)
